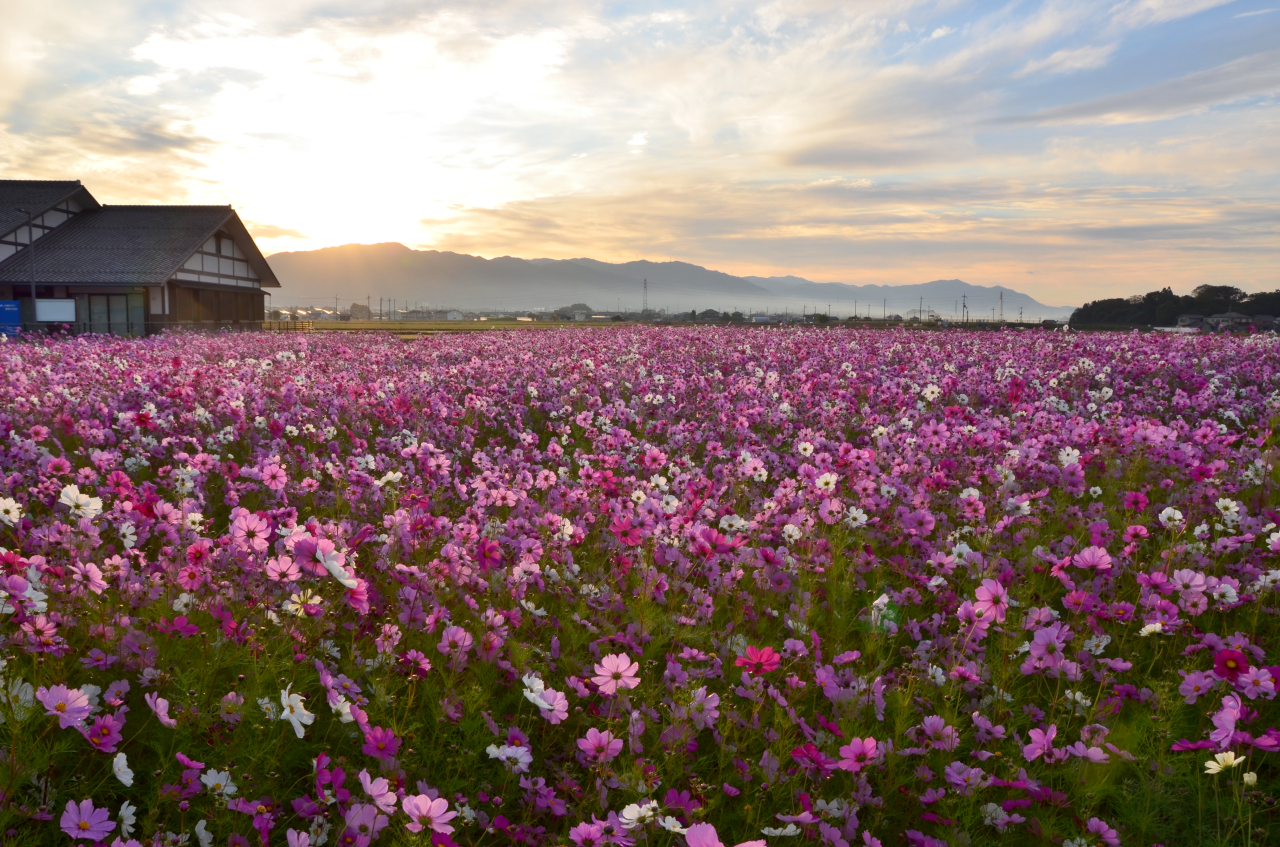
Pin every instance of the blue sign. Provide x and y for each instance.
(10, 320)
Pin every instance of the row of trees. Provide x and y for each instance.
(1162, 308)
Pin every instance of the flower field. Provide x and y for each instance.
(640, 586)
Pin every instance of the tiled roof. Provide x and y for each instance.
(36, 195)
(126, 245)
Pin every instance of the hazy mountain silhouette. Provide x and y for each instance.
(457, 280)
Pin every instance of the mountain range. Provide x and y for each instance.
(435, 279)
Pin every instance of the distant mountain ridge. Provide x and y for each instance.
(366, 272)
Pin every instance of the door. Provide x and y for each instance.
(98, 313)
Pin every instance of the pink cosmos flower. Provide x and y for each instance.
(1041, 742)
(857, 754)
(557, 705)
(427, 813)
(993, 599)
(600, 746)
(1255, 683)
(274, 477)
(160, 706)
(282, 569)
(759, 660)
(705, 835)
(84, 821)
(615, 671)
(68, 705)
(379, 790)
(1099, 827)
(1224, 721)
(1093, 558)
(1195, 685)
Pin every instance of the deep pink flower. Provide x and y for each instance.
(759, 660)
(380, 743)
(1229, 664)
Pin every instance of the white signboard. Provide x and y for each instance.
(56, 311)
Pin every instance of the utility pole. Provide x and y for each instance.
(964, 304)
(645, 306)
(1002, 306)
(31, 246)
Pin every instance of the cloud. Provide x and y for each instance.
(268, 231)
(1255, 12)
(1139, 13)
(1073, 59)
(1246, 77)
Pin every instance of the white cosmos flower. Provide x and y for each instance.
(338, 571)
(20, 697)
(219, 782)
(10, 511)
(635, 815)
(785, 832)
(293, 711)
(203, 835)
(670, 824)
(1222, 761)
(1170, 518)
(342, 709)
(126, 818)
(81, 505)
(120, 767)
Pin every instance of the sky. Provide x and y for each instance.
(1071, 150)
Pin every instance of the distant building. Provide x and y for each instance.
(761, 319)
(453, 315)
(1229, 321)
(579, 316)
(127, 270)
(1192, 322)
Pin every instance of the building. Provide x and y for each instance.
(126, 270)
(454, 315)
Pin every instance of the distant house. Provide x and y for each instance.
(126, 270)
(453, 315)
(1229, 321)
(579, 316)
(1191, 321)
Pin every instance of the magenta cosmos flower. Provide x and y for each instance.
(759, 660)
(616, 671)
(84, 821)
(1229, 664)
